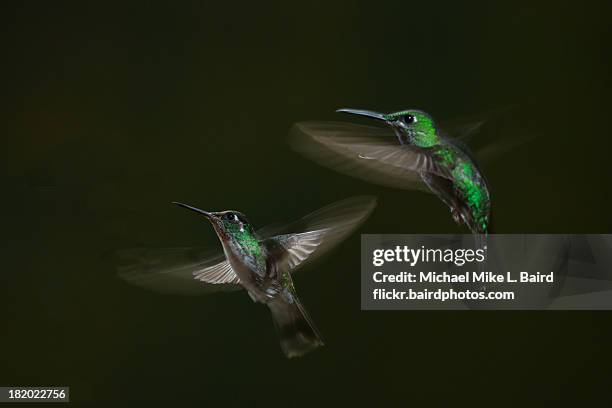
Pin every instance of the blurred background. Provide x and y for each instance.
(112, 111)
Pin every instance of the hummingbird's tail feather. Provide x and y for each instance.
(298, 334)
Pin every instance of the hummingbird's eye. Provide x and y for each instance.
(408, 119)
(231, 217)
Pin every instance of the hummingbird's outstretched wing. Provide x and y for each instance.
(367, 152)
(195, 271)
(291, 250)
(321, 231)
(221, 273)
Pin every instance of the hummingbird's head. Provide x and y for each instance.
(411, 126)
(228, 224)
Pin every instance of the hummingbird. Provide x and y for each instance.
(416, 154)
(260, 262)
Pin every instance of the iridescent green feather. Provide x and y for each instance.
(422, 131)
(468, 181)
(247, 240)
(286, 281)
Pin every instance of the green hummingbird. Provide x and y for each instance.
(261, 262)
(416, 154)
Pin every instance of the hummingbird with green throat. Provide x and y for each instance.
(409, 152)
(260, 262)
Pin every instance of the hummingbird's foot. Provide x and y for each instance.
(456, 215)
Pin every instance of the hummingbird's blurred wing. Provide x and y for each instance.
(483, 137)
(367, 152)
(488, 135)
(323, 229)
(176, 270)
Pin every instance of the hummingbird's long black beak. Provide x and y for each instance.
(366, 113)
(205, 213)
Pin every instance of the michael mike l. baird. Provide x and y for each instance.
(475, 277)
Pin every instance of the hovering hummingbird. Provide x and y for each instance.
(417, 153)
(259, 262)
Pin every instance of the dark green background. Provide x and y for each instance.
(113, 111)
